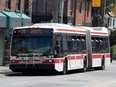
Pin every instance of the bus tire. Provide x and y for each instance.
(84, 65)
(64, 68)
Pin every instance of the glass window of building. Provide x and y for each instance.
(17, 4)
(7, 4)
(42, 6)
(80, 7)
(71, 4)
(88, 10)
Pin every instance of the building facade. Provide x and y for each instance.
(12, 5)
(75, 12)
(11, 15)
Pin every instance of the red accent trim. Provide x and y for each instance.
(46, 61)
(71, 30)
(107, 55)
(100, 56)
(96, 56)
(82, 56)
(78, 57)
(73, 57)
(99, 33)
(62, 60)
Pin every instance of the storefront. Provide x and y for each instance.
(9, 20)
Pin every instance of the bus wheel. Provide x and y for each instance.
(64, 68)
(84, 65)
(103, 64)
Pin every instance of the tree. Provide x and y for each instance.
(109, 9)
(112, 38)
(97, 12)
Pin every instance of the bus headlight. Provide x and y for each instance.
(13, 60)
(50, 60)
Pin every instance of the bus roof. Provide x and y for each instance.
(65, 26)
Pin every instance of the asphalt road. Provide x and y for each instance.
(91, 78)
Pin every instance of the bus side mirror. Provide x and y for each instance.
(57, 47)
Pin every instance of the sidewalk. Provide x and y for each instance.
(4, 70)
(114, 61)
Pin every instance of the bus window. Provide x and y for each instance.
(83, 44)
(69, 40)
(78, 44)
(74, 44)
(58, 42)
(93, 44)
(64, 44)
(106, 48)
(101, 45)
(97, 44)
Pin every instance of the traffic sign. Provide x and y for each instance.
(115, 10)
(29, 4)
(96, 3)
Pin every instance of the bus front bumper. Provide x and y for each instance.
(22, 67)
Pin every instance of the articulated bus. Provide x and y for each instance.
(58, 47)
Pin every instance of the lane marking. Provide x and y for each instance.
(18, 82)
(105, 84)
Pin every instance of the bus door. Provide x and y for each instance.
(79, 50)
(72, 61)
(71, 44)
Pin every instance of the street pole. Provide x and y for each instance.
(62, 11)
(55, 11)
(103, 12)
(21, 18)
(30, 9)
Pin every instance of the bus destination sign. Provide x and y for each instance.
(33, 32)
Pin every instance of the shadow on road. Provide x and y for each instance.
(10, 74)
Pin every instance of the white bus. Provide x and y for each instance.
(58, 47)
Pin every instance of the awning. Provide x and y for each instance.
(26, 21)
(2, 20)
(13, 20)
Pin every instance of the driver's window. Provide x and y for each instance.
(58, 43)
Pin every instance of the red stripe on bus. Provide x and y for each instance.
(70, 30)
(78, 57)
(107, 55)
(73, 57)
(99, 33)
(96, 56)
(31, 61)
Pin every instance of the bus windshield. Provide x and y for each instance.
(31, 44)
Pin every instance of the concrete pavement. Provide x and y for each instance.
(4, 70)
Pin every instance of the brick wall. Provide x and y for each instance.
(82, 17)
(79, 18)
(12, 5)
(2, 5)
